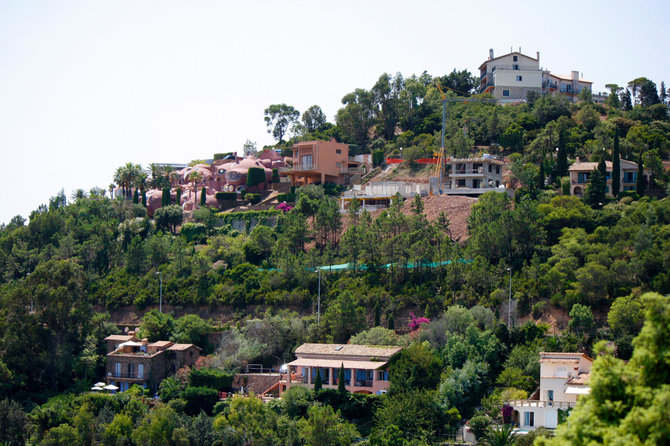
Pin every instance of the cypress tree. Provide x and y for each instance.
(616, 165)
(203, 196)
(136, 197)
(340, 380)
(275, 176)
(144, 198)
(390, 322)
(318, 385)
(595, 192)
(378, 314)
(179, 196)
(540, 177)
(562, 157)
(641, 185)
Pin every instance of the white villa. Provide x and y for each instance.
(563, 377)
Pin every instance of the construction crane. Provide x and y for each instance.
(439, 167)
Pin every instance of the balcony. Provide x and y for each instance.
(299, 168)
(542, 404)
(126, 375)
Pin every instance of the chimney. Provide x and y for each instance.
(519, 50)
(490, 53)
(538, 57)
(575, 75)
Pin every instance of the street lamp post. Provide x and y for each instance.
(160, 291)
(509, 299)
(318, 302)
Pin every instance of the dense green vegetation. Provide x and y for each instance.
(586, 262)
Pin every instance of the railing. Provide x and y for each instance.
(468, 171)
(542, 403)
(352, 170)
(127, 375)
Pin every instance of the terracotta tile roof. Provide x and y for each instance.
(160, 344)
(182, 347)
(557, 356)
(369, 351)
(582, 378)
(121, 338)
(337, 363)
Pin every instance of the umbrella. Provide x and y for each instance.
(100, 384)
(110, 387)
(96, 388)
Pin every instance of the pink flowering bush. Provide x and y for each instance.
(284, 207)
(416, 322)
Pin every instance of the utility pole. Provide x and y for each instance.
(160, 291)
(318, 303)
(509, 300)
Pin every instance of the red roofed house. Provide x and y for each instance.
(563, 376)
(365, 367)
(133, 361)
(580, 173)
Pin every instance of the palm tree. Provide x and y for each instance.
(500, 436)
(127, 176)
(195, 176)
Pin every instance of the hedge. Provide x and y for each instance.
(194, 232)
(287, 197)
(221, 196)
(253, 198)
(275, 176)
(255, 176)
(210, 377)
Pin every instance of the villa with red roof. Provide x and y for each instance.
(365, 367)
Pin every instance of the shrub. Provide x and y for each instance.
(220, 156)
(199, 399)
(377, 157)
(253, 198)
(209, 377)
(275, 176)
(255, 176)
(223, 196)
(287, 197)
(194, 232)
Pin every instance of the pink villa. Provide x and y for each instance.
(365, 367)
(320, 162)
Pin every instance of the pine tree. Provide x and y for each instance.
(616, 165)
(641, 185)
(318, 385)
(340, 380)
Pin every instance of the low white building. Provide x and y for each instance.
(563, 377)
(473, 176)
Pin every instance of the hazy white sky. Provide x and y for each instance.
(86, 86)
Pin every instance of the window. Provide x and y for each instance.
(383, 375)
(497, 168)
(117, 369)
(583, 177)
(140, 371)
(460, 183)
(529, 418)
(515, 67)
(519, 78)
(550, 395)
(306, 161)
(506, 93)
(475, 184)
(338, 151)
(561, 372)
(630, 177)
(515, 58)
